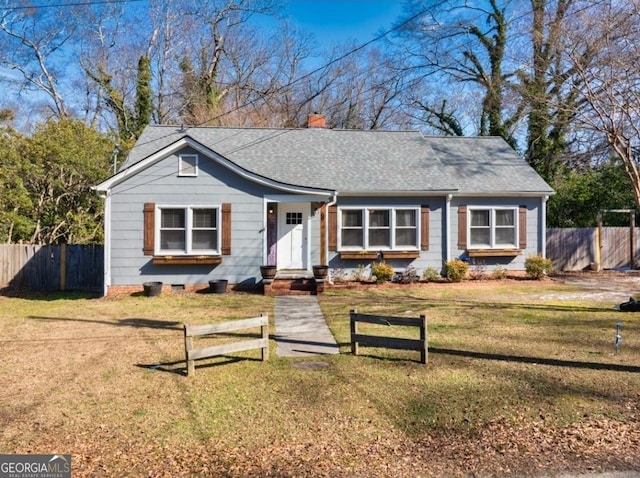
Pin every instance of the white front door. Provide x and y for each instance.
(293, 220)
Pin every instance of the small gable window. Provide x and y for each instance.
(188, 165)
(493, 227)
(379, 228)
(188, 230)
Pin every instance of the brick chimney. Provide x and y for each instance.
(315, 120)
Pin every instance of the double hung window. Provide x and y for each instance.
(378, 228)
(493, 227)
(188, 230)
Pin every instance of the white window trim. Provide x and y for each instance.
(392, 228)
(188, 251)
(182, 158)
(492, 227)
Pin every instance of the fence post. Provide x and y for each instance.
(424, 351)
(265, 335)
(188, 345)
(354, 331)
(632, 242)
(63, 266)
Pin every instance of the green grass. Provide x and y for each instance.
(103, 379)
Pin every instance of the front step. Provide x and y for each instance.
(293, 286)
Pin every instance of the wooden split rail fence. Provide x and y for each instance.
(358, 339)
(192, 354)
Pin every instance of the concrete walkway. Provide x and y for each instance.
(301, 329)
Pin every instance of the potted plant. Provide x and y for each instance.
(268, 272)
(218, 286)
(152, 289)
(320, 271)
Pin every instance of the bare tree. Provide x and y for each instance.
(165, 43)
(213, 26)
(465, 43)
(545, 141)
(550, 88)
(272, 82)
(363, 91)
(33, 43)
(611, 82)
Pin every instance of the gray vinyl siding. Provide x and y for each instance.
(160, 184)
(434, 257)
(534, 228)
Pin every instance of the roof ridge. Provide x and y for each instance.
(185, 128)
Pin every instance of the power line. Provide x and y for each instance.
(326, 65)
(280, 131)
(74, 4)
(463, 44)
(460, 45)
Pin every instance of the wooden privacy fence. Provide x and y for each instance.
(575, 249)
(52, 267)
(81, 267)
(192, 354)
(358, 339)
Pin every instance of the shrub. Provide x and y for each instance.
(537, 267)
(360, 272)
(431, 274)
(456, 270)
(382, 271)
(477, 270)
(499, 273)
(408, 276)
(338, 274)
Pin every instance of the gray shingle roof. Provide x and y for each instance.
(350, 161)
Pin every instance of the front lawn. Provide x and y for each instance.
(522, 379)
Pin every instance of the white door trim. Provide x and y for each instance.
(294, 235)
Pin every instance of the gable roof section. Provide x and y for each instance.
(358, 162)
(185, 141)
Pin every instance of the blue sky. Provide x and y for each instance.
(338, 21)
(331, 22)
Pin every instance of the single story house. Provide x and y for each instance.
(191, 205)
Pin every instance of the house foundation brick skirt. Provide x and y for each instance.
(115, 290)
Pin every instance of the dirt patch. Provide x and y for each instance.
(615, 286)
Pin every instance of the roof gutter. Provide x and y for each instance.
(404, 193)
(505, 194)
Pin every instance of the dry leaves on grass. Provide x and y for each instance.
(76, 386)
(500, 449)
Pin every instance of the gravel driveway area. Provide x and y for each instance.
(616, 286)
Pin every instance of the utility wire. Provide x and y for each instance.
(312, 72)
(279, 131)
(326, 65)
(460, 45)
(74, 4)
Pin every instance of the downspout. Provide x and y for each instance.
(333, 202)
(447, 232)
(543, 228)
(106, 278)
(264, 231)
